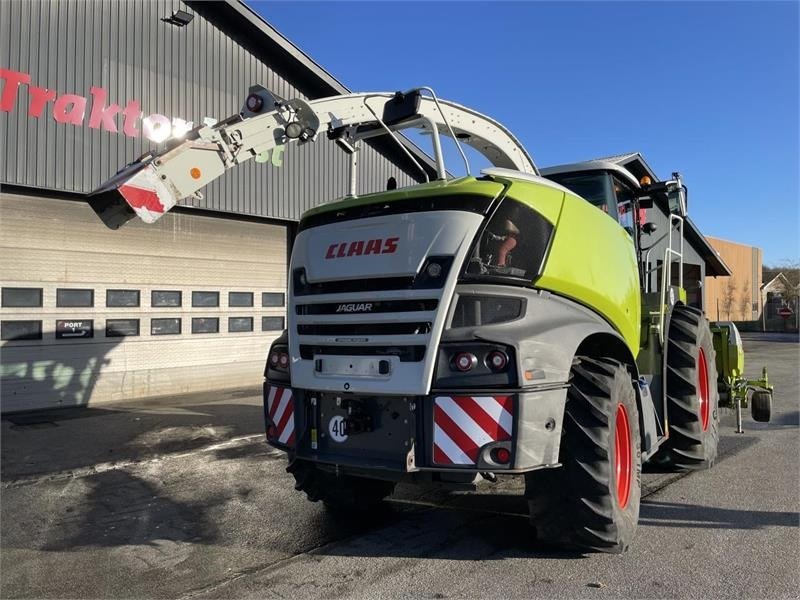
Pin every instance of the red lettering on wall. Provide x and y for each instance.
(132, 114)
(69, 108)
(13, 80)
(39, 99)
(102, 117)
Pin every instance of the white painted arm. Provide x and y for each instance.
(154, 184)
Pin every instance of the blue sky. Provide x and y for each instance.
(709, 89)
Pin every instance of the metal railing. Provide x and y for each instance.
(666, 277)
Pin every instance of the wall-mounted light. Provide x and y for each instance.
(179, 18)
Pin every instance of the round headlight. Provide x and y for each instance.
(254, 103)
(434, 269)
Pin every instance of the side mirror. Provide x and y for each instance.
(677, 201)
(677, 196)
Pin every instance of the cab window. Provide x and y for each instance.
(512, 245)
(594, 187)
(625, 206)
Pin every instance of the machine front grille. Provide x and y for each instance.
(349, 329)
(350, 286)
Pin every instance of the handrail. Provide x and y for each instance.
(666, 278)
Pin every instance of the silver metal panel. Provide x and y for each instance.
(187, 72)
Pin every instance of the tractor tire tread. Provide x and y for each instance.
(689, 447)
(343, 494)
(571, 506)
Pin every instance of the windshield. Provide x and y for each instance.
(512, 245)
(595, 187)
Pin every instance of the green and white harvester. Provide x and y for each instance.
(471, 327)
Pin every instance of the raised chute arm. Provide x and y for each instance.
(155, 183)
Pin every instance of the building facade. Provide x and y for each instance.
(738, 297)
(91, 315)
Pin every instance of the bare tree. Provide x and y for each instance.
(728, 297)
(745, 302)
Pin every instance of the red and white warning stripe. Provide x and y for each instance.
(280, 413)
(147, 195)
(462, 425)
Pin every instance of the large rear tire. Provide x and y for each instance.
(692, 396)
(592, 501)
(342, 493)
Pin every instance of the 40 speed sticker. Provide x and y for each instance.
(338, 429)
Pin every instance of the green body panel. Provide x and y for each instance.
(463, 185)
(733, 385)
(593, 261)
(730, 355)
(543, 198)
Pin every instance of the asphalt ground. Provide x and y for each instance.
(180, 498)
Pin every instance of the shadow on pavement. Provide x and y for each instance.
(729, 446)
(450, 535)
(121, 509)
(667, 514)
(38, 444)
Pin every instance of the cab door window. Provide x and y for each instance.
(625, 206)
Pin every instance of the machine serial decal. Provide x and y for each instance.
(354, 308)
(362, 248)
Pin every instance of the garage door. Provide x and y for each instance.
(91, 315)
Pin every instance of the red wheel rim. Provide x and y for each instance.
(702, 388)
(623, 459)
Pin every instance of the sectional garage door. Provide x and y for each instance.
(91, 315)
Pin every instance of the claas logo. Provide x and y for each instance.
(362, 248)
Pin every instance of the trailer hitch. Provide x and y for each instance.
(358, 420)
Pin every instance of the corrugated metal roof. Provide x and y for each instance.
(121, 60)
(619, 158)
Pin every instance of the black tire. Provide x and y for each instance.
(579, 505)
(340, 494)
(761, 406)
(693, 424)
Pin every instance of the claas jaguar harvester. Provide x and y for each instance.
(465, 328)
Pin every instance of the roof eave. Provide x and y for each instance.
(715, 266)
(291, 57)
